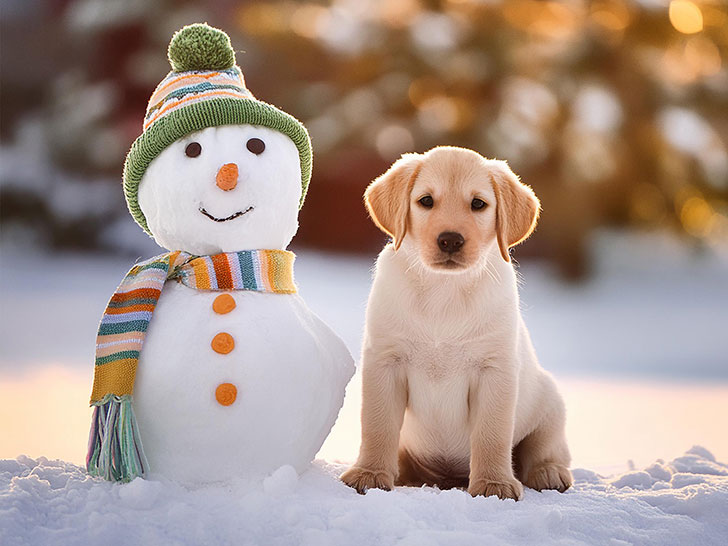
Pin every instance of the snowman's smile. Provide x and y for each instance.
(231, 217)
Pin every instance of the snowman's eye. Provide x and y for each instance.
(256, 146)
(193, 149)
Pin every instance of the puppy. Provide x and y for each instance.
(453, 394)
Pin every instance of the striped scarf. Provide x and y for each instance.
(115, 450)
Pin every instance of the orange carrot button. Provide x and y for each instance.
(226, 393)
(223, 343)
(224, 303)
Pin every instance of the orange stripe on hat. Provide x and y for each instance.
(196, 76)
(188, 80)
(196, 96)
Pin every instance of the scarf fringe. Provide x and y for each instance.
(115, 450)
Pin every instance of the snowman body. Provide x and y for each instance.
(288, 368)
(284, 370)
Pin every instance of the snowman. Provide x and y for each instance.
(209, 366)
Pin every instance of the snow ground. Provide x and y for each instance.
(684, 502)
(639, 351)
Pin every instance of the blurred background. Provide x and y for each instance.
(614, 111)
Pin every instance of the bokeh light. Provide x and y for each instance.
(686, 16)
(615, 103)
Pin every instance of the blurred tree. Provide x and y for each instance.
(615, 111)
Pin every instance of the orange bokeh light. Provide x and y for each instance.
(685, 16)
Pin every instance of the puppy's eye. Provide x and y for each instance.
(256, 146)
(426, 201)
(193, 149)
(478, 204)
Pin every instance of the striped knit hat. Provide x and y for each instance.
(204, 89)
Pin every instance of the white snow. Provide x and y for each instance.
(639, 352)
(52, 502)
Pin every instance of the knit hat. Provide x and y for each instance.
(204, 89)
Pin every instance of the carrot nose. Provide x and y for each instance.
(227, 177)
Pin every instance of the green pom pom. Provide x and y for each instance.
(200, 47)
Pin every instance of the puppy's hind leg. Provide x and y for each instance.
(542, 458)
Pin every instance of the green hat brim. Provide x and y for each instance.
(201, 115)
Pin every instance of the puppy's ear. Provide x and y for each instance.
(387, 198)
(517, 209)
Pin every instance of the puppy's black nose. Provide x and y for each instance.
(450, 242)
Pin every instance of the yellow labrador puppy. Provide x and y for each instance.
(453, 394)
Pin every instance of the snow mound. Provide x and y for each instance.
(54, 502)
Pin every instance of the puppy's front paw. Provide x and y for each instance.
(549, 476)
(362, 479)
(506, 488)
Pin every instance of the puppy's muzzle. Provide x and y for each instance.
(450, 242)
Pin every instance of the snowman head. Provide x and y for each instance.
(223, 189)
(215, 169)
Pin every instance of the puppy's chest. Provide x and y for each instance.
(441, 329)
(443, 361)
(436, 424)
